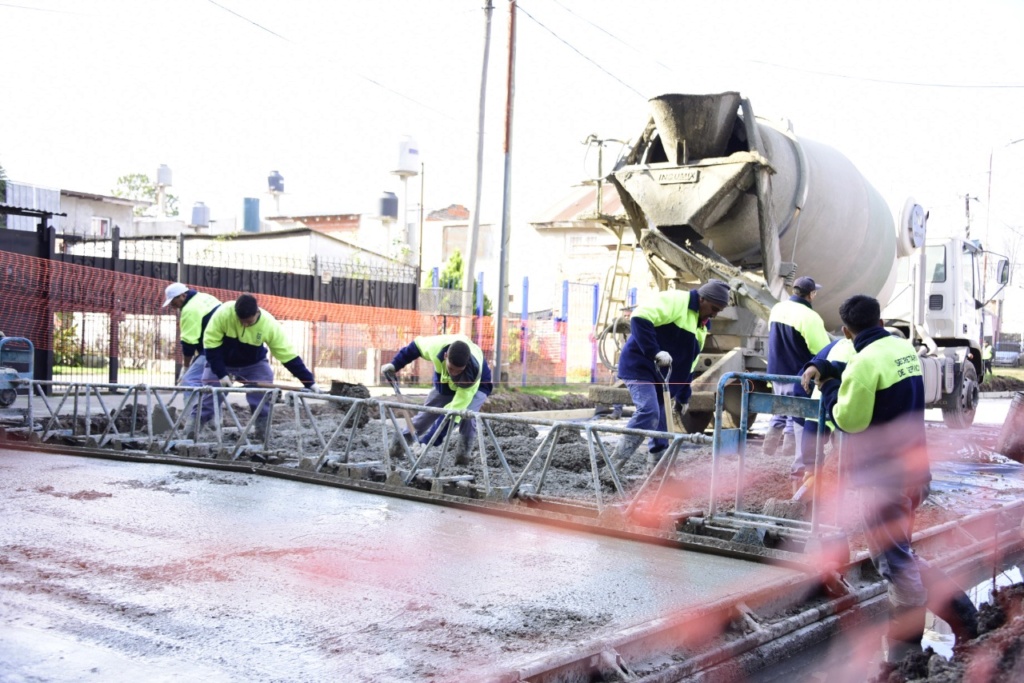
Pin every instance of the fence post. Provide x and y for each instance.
(523, 331)
(181, 257)
(115, 313)
(593, 342)
(435, 278)
(564, 332)
(479, 306)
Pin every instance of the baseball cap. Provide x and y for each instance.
(807, 284)
(174, 289)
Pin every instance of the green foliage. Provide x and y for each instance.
(451, 277)
(66, 343)
(138, 186)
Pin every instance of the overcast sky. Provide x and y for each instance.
(917, 94)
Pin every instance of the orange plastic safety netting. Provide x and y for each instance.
(110, 326)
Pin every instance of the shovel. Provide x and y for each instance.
(393, 381)
(670, 418)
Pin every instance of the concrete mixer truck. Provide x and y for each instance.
(712, 191)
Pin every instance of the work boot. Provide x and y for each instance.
(906, 629)
(624, 450)
(949, 602)
(788, 449)
(461, 450)
(259, 429)
(772, 440)
(395, 449)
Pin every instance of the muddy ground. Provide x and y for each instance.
(993, 656)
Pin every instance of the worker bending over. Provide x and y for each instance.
(667, 330)
(236, 340)
(462, 381)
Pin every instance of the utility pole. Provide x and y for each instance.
(967, 212)
(506, 213)
(474, 230)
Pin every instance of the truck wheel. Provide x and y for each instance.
(965, 400)
(7, 397)
(695, 422)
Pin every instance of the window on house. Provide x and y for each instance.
(100, 227)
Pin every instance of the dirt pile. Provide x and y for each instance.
(995, 656)
(999, 383)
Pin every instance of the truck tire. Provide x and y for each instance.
(695, 422)
(7, 397)
(962, 404)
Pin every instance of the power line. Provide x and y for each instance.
(257, 25)
(35, 9)
(356, 73)
(616, 38)
(574, 49)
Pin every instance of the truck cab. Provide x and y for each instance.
(938, 304)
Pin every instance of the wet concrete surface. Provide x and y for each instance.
(118, 571)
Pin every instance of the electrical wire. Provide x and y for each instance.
(366, 78)
(521, 9)
(616, 38)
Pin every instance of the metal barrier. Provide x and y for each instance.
(139, 417)
(732, 442)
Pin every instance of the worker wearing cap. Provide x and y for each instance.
(462, 381)
(237, 339)
(196, 309)
(878, 400)
(795, 333)
(667, 330)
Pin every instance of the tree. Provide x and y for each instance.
(139, 187)
(451, 277)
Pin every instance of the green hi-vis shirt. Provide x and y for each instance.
(430, 349)
(192, 314)
(236, 346)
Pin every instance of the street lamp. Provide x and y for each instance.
(988, 224)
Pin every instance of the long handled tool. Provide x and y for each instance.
(666, 393)
(392, 379)
(246, 384)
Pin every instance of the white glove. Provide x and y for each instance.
(387, 369)
(314, 388)
(681, 408)
(227, 381)
(663, 358)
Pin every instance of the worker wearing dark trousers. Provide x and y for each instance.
(795, 333)
(877, 399)
(669, 329)
(462, 381)
(236, 340)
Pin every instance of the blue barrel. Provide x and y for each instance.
(251, 213)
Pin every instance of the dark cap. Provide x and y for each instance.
(458, 354)
(806, 284)
(715, 291)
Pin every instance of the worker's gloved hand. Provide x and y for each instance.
(663, 359)
(387, 369)
(181, 377)
(680, 407)
(227, 381)
(313, 388)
